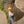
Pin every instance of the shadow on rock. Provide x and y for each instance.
(18, 14)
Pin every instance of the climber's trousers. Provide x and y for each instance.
(11, 19)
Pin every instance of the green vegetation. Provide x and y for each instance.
(0, 2)
(3, 9)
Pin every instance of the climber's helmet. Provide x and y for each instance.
(9, 9)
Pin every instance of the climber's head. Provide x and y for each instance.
(9, 9)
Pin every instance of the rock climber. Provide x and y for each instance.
(10, 14)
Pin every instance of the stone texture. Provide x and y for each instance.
(20, 4)
(17, 9)
(21, 21)
(3, 18)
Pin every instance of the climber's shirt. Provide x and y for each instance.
(10, 13)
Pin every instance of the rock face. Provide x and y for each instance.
(21, 21)
(3, 19)
(18, 8)
(20, 4)
(19, 11)
(18, 14)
